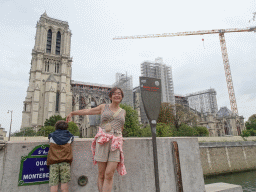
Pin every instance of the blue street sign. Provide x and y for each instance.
(33, 168)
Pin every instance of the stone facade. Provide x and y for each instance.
(2, 133)
(86, 96)
(49, 90)
(223, 123)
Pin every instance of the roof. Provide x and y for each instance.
(225, 112)
(89, 84)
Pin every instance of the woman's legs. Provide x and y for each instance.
(101, 174)
(108, 178)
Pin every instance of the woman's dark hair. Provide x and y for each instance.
(113, 90)
(63, 125)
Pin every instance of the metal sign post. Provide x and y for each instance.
(151, 98)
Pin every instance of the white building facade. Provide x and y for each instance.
(161, 71)
(203, 101)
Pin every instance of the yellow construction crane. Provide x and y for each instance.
(221, 32)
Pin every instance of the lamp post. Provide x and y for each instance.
(10, 124)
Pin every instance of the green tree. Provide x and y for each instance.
(73, 129)
(251, 123)
(52, 120)
(131, 126)
(26, 131)
(185, 130)
(166, 114)
(246, 133)
(45, 131)
(202, 131)
(163, 130)
(145, 132)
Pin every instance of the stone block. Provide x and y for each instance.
(223, 187)
(138, 161)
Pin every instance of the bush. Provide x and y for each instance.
(185, 130)
(131, 126)
(73, 129)
(202, 131)
(45, 131)
(246, 133)
(26, 131)
(145, 132)
(52, 120)
(163, 130)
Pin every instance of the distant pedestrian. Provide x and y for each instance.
(60, 156)
(107, 146)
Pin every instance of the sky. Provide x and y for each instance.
(97, 57)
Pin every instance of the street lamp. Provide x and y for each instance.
(10, 124)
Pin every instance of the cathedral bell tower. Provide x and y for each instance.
(49, 91)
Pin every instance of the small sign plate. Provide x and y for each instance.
(33, 168)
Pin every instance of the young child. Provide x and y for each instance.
(60, 156)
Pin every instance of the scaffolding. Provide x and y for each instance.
(160, 71)
(203, 101)
(125, 83)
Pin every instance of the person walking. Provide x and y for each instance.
(107, 144)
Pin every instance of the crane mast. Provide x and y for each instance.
(221, 32)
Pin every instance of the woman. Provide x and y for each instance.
(108, 151)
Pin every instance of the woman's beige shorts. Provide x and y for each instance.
(103, 153)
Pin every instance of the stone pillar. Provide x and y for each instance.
(35, 106)
(68, 43)
(37, 38)
(41, 42)
(53, 42)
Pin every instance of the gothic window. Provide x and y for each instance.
(82, 103)
(58, 40)
(25, 107)
(49, 41)
(58, 67)
(57, 101)
(46, 66)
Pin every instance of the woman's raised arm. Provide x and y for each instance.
(92, 111)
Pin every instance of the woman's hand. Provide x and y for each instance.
(70, 115)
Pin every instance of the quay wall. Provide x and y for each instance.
(138, 161)
(227, 157)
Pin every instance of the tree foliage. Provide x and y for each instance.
(202, 131)
(73, 128)
(131, 126)
(251, 123)
(52, 120)
(162, 130)
(24, 132)
(166, 114)
(45, 131)
(250, 126)
(185, 130)
(184, 116)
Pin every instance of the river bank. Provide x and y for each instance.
(245, 179)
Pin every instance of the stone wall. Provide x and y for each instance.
(138, 161)
(225, 157)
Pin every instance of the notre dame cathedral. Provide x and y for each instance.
(51, 90)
